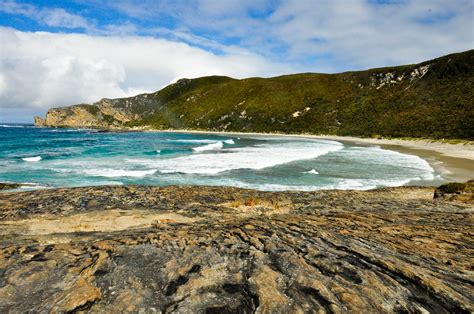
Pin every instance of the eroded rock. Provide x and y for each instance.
(213, 249)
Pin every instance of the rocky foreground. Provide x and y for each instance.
(215, 250)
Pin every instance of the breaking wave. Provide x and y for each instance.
(212, 146)
(32, 159)
(254, 157)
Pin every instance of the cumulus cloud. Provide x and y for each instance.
(41, 70)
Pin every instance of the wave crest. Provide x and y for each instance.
(212, 146)
(32, 159)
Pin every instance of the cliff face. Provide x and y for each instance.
(106, 113)
(430, 99)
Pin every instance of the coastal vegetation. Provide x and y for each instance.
(432, 99)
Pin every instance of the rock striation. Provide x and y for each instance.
(227, 250)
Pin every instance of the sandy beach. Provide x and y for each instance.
(454, 161)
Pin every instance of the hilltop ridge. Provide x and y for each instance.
(431, 99)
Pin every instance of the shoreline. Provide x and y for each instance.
(455, 162)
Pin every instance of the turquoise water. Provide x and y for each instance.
(47, 157)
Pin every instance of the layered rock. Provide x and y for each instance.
(216, 250)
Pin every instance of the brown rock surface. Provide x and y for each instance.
(213, 249)
(39, 121)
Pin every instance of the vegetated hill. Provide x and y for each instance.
(433, 99)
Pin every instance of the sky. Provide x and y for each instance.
(57, 53)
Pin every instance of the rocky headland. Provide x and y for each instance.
(227, 250)
(432, 99)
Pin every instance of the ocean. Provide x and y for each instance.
(49, 157)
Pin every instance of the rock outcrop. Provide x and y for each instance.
(455, 191)
(106, 113)
(9, 186)
(226, 250)
(39, 122)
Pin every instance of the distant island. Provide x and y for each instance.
(432, 99)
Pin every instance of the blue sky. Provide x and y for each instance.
(81, 51)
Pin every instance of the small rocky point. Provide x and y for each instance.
(9, 186)
(227, 250)
(456, 191)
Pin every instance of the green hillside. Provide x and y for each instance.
(434, 99)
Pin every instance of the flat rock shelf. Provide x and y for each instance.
(218, 249)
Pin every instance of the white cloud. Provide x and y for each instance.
(61, 18)
(41, 70)
(323, 35)
(359, 34)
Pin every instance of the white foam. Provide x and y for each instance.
(377, 155)
(33, 186)
(340, 184)
(12, 126)
(230, 141)
(32, 159)
(158, 151)
(113, 173)
(254, 157)
(365, 184)
(312, 171)
(192, 141)
(212, 146)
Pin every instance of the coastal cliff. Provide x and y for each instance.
(226, 250)
(431, 99)
(106, 113)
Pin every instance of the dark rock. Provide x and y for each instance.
(455, 191)
(9, 186)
